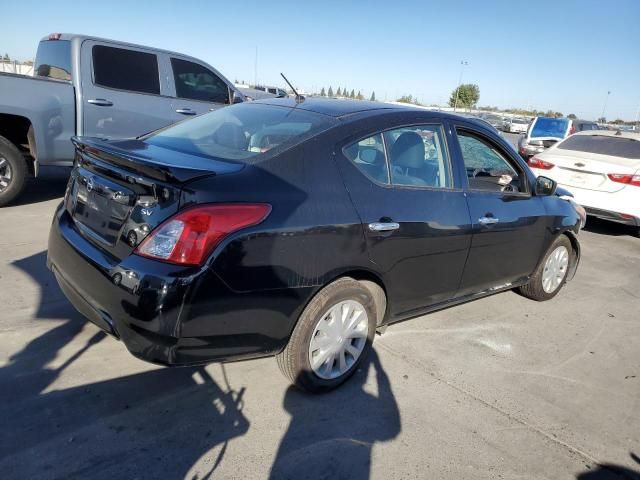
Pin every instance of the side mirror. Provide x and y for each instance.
(545, 186)
(236, 98)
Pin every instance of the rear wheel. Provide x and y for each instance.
(332, 336)
(13, 172)
(551, 274)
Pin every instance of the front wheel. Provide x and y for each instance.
(13, 172)
(332, 336)
(551, 274)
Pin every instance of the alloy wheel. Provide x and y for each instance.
(555, 269)
(5, 174)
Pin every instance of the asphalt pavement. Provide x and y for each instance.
(500, 388)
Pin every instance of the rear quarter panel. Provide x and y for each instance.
(50, 107)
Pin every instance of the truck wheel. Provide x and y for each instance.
(13, 172)
(332, 336)
(551, 274)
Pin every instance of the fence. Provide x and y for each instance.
(15, 67)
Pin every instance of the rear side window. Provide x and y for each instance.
(549, 127)
(53, 59)
(195, 82)
(125, 69)
(604, 145)
(413, 156)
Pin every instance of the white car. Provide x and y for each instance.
(516, 125)
(602, 171)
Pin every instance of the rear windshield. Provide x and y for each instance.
(519, 121)
(550, 127)
(53, 59)
(243, 132)
(604, 145)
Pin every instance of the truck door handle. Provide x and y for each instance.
(101, 102)
(186, 111)
(383, 226)
(488, 220)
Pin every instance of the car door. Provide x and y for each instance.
(509, 224)
(415, 217)
(122, 93)
(198, 89)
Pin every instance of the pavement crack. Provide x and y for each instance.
(575, 450)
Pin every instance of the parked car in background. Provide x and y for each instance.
(582, 125)
(602, 171)
(515, 125)
(542, 133)
(192, 244)
(92, 86)
(496, 121)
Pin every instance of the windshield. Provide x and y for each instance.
(242, 132)
(550, 127)
(604, 145)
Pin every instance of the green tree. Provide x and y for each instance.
(352, 94)
(330, 92)
(602, 120)
(571, 116)
(339, 92)
(406, 99)
(323, 93)
(6, 58)
(558, 114)
(373, 96)
(467, 96)
(360, 96)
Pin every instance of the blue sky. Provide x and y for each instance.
(560, 55)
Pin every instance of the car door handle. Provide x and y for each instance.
(383, 226)
(101, 102)
(488, 220)
(186, 111)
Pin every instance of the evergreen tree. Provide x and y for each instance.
(373, 96)
(352, 94)
(330, 93)
(339, 92)
(323, 93)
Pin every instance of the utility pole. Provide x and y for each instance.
(463, 63)
(604, 108)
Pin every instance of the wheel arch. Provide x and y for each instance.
(18, 129)
(575, 253)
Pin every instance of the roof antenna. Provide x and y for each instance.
(299, 98)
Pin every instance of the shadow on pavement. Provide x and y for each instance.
(602, 227)
(332, 435)
(607, 471)
(50, 183)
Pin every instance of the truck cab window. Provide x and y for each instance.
(125, 69)
(53, 59)
(195, 82)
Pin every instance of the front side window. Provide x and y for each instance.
(195, 82)
(486, 167)
(410, 156)
(125, 69)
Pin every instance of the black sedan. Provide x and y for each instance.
(299, 229)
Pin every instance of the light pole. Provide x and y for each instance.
(463, 63)
(604, 108)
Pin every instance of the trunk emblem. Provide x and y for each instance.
(580, 164)
(146, 211)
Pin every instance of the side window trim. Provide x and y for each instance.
(456, 127)
(94, 44)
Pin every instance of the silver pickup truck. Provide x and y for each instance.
(91, 86)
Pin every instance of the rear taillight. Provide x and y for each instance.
(190, 236)
(624, 178)
(535, 162)
(572, 130)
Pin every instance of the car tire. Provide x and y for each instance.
(317, 324)
(13, 172)
(551, 273)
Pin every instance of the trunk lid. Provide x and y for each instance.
(589, 170)
(119, 191)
